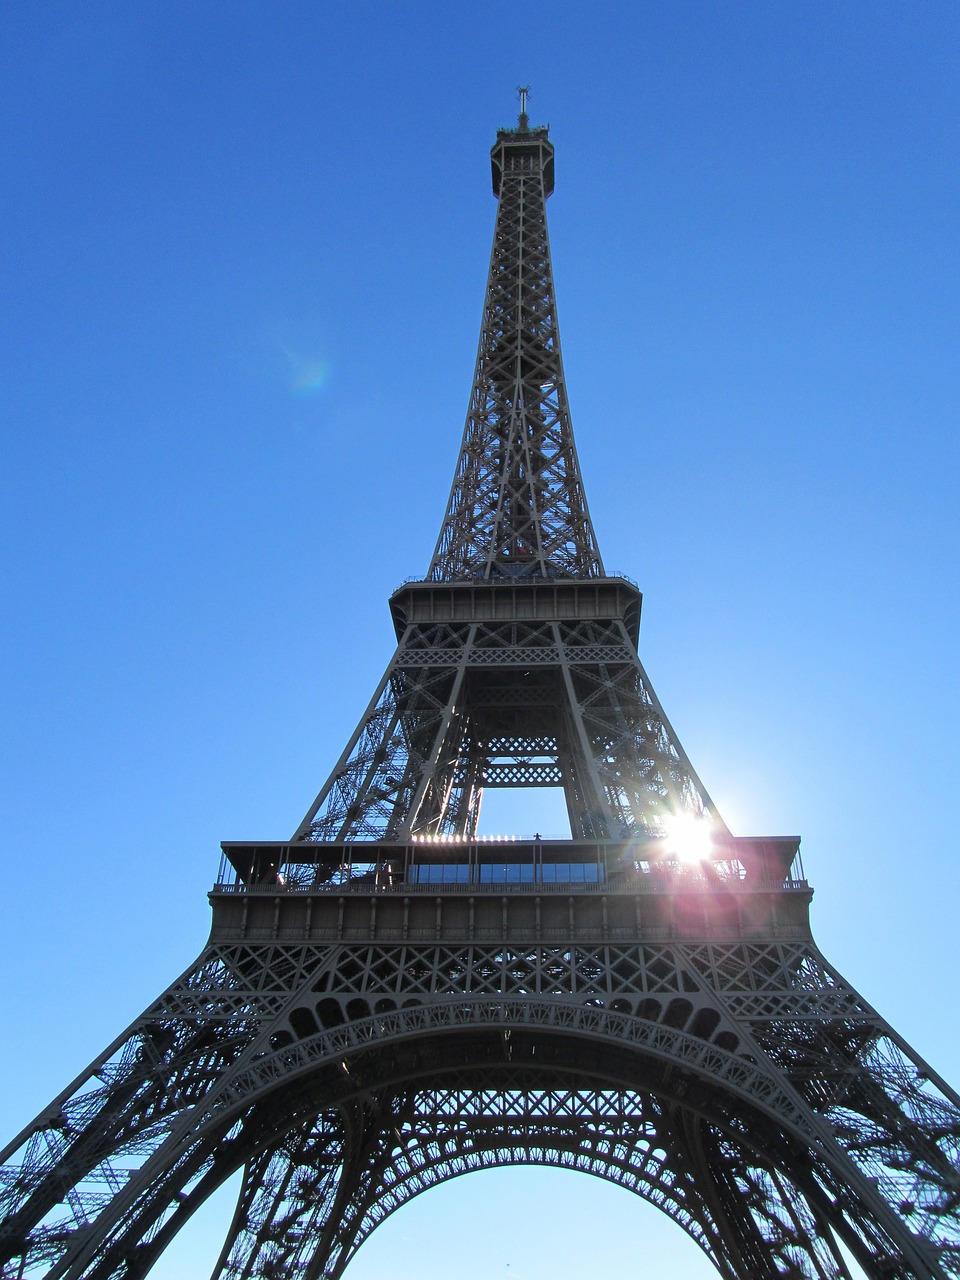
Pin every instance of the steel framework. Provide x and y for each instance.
(387, 1001)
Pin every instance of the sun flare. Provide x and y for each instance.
(689, 837)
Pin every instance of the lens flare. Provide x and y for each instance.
(689, 837)
(308, 373)
(311, 377)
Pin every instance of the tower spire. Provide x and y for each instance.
(517, 506)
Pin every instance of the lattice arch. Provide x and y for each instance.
(609, 1134)
(662, 1143)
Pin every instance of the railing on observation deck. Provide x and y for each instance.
(509, 865)
(509, 581)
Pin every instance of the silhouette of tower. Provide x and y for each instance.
(388, 1000)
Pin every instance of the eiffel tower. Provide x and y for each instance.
(388, 1000)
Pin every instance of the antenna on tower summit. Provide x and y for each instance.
(522, 91)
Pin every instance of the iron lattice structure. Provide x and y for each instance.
(387, 1001)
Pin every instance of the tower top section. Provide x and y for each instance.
(517, 507)
(522, 150)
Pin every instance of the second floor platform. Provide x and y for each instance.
(530, 888)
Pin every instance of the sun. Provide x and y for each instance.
(688, 837)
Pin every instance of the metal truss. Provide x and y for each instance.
(419, 1138)
(525, 703)
(743, 1087)
(517, 506)
(355, 1033)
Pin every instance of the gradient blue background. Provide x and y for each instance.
(242, 256)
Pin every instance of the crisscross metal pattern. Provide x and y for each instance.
(457, 710)
(517, 506)
(759, 1062)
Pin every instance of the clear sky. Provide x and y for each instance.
(242, 256)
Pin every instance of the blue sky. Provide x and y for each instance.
(242, 258)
